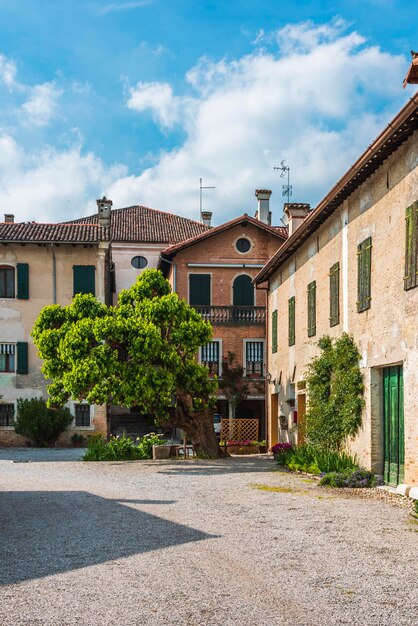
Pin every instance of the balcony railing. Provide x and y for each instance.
(232, 314)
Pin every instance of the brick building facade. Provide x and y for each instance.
(214, 273)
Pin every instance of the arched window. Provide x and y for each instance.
(243, 291)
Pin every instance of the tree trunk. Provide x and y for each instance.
(198, 427)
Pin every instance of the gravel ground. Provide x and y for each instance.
(198, 543)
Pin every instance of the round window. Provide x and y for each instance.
(139, 262)
(243, 245)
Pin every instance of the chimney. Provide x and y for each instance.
(263, 210)
(9, 218)
(296, 213)
(206, 217)
(105, 207)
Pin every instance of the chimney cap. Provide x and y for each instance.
(262, 191)
(9, 218)
(206, 214)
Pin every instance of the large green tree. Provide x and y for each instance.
(140, 353)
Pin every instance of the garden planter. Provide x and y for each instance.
(160, 452)
(243, 450)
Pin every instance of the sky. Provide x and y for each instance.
(139, 99)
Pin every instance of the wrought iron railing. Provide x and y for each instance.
(232, 314)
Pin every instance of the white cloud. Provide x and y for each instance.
(316, 99)
(157, 98)
(8, 72)
(41, 105)
(51, 185)
(124, 6)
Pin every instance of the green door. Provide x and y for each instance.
(243, 291)
(394, 441)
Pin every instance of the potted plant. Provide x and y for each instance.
(78, 439)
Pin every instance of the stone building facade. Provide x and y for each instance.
(351, 265)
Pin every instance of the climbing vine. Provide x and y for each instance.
(336, 389)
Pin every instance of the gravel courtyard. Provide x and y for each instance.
(197, 542)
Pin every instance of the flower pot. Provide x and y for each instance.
(243, 449)
(160, 452)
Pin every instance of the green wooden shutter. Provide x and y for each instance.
(312, 309)
(292, 334)
(199, 289)
(364, 270)
(334, 295)
(84, 279)
(23, 281)
(274, 331)
(411, 247)
(22, 357)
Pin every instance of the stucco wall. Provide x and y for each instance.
(17, 317)
(387, 333)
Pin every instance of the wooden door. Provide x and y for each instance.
(393, 420)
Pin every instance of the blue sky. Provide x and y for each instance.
(138, 99)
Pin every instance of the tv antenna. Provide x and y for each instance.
(201, 188)
(285, 169)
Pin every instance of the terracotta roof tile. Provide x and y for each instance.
(48, 233)
(142, 224)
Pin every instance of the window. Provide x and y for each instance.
(291, 333)
(243, 291)
(7, 282)
(243, 245)
(210, 357)
(364, 269)
(254, 359)
(334, 295)
(411, 247)
(7, 414)
(274, 332)
(139, 262)
(7, 357)
(82, 414)
(312, 309)
(199, 289)
(84, 279)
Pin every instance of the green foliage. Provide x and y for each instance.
(121, 448)
(359, 478)
(140, 353)
(42, 425)
(313, 460)
(335, 387)
(416, 507)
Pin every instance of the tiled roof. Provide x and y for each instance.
(48, 233)
(142, 224)
(278, 231)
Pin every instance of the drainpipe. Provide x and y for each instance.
(54, 274)
(266, 382)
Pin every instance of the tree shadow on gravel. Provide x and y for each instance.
(232, 465)
(46, 533)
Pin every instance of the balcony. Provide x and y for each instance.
(245, 315)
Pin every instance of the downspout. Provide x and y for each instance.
(266, 382)
(54, 274)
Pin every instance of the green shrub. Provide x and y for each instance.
(360, 478)
(416, 507)
(121, 448)
(335, 384)
(39, 423)
(313, 460)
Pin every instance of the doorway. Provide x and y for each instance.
(393, 425)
